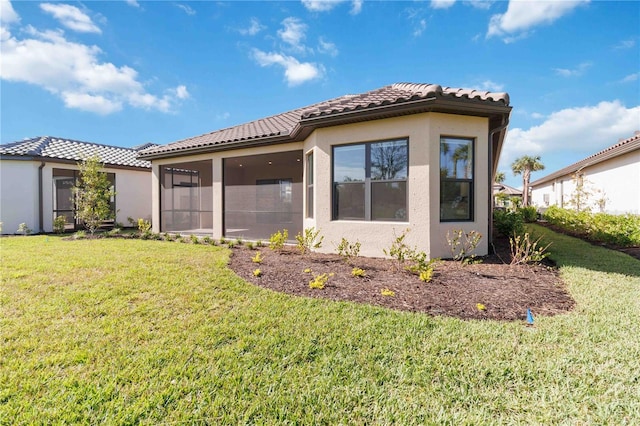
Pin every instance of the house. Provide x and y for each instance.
(505, 195)
(36, 176)
(364, 167)
(610, 181)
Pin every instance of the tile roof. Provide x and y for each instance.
(287, 126)
(64, 149)
(622, 147)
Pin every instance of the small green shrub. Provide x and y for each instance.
(251, 245)
(277, 240)
(194, 239)
(348, 251)
(426, 275)
(259, 243)
(24, 229)
(114, 232)
(524, 250)
(58, 224)
(168, 237)
(223, 241)
(239, 241)
(320, 281)
(207, 240)
(80, 235)
(462, 244)
(257, 258)
(529, 214)
(231, 244)
(387, 292)
(358, 273)
(144, 225)
(309, 241)
(257, 273)
(399, 250)
(508, 223)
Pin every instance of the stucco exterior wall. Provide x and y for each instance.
(19, 195)
(19, 192)
(423, 132)
(617, 178)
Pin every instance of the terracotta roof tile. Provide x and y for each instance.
(65, 149)
(282, 125)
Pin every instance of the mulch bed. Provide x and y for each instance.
(455, 291)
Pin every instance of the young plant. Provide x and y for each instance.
(80, 235)
(239, 241)
(399, 250)
(250, 245)
(348, 251)
(358, 273)
(194, 239)
(524, 250)
(24, 229)
(462, 244)
(143, 225)
(426, 275)
(58, 224)
(310, 240)
(307, 270)
(257, 272)
(387, 292)
(207, 240)
(422, 265)
(277, 240)
(320, 281)
(257, 258)
(93, 193)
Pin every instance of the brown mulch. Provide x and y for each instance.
(505, 291)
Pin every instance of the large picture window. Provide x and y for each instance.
(456, 179)
(370, 181)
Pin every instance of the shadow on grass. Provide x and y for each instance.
(571, 251)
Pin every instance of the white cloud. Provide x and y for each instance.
(522, 16)
(7, 14)
(588, 129)
(576, 72)
(442, 4)
(480, 4)
(491, 86)
(224, 116)
(187, 9)
(422, 25)
(327, 5)
(133, 3)
(537, 115)
(74, 72)
(625, 44)
(295, 72)
(71, 17)
(327, 47)
(254, 28)
(630, 78)
(293, 33)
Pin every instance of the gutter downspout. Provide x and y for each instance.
(40, 197)
(490, 178)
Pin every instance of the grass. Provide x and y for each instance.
(147, 332)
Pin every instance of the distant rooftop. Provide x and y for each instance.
(48, 147)
(388, 101)
(622, 147)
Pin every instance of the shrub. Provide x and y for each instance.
(144, 225)
(320, 281)
(257, 273)
(309, 241)
(79, 235)
(114, 232)
(387, 292)
(250, 245)
(194, 239)
(257, 258)
(207, 240)
(529, 214)
(358, 273)
(277, 240)
(347, 250)
(426, 275)
(92, 193)
(58, 224)
(239, 241)
(462, 244)
(508, 223)
(524, 250)
(24, 229)
(399, 250)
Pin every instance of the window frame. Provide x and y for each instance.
(369, 182)
(470, 181)
(309, 183)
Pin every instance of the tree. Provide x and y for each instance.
(93, 193)
(524, 166)
(500, 177)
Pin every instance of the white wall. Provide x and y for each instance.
(18, 195)
(617, 178)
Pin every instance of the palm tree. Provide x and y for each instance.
(525, 165)
(500, 177)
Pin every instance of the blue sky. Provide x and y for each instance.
(129, 72)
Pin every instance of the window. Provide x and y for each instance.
(310, 185)
(370, 181)
(456, 179)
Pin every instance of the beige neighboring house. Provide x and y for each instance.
(36, 176)
(364, 167)
(503, 194)
(612, 175)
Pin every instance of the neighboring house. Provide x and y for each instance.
(503, 195)
(36, 176)
(611, 176)
(364, 167)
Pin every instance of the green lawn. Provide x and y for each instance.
(130, 331)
